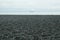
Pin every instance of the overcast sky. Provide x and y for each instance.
(42, 4)
(47, 6)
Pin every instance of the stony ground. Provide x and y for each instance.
(29, 27)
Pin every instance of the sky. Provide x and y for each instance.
(49, 5)
(30, 3)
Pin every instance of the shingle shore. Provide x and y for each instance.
(31, 27)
